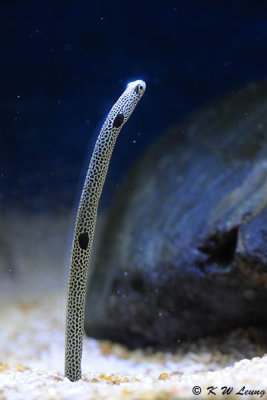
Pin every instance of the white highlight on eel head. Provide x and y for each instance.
(135, 83)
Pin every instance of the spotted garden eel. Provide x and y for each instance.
(85, 224)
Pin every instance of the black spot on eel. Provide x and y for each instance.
(85, 224)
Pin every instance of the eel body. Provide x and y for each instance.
(85, 224)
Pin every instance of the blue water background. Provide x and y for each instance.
(64, 63)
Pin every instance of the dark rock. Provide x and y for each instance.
(184, 250)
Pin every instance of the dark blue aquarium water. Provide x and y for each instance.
(64, 63)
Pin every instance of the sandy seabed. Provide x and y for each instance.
(32, 325)
(32, 362)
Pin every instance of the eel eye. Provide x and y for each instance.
(138, 89)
